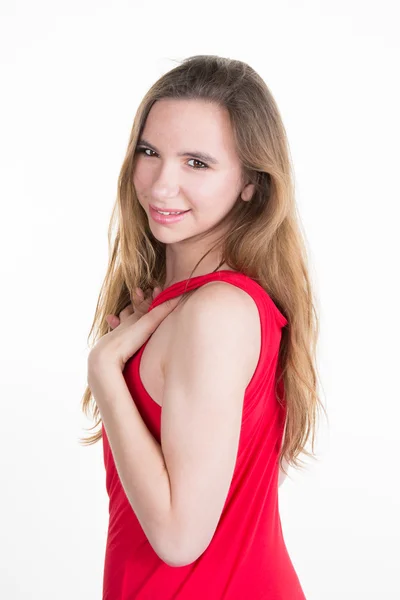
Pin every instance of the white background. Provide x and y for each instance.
(72, 75)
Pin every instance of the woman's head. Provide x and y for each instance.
(243, 205)
(186, 160)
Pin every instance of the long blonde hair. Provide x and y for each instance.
(264, 239)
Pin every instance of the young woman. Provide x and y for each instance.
(203, 368)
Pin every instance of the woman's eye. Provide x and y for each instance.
(142, 150)
(201, 163)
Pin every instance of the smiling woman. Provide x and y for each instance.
(203, 404)
(173, 178)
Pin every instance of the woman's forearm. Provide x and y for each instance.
(138, 456)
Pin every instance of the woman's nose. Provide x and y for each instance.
(166, 184)
(163, 188)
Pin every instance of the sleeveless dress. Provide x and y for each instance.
(247, 557)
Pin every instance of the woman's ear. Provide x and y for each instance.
(248, 191)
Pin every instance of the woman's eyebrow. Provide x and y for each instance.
(203, 156)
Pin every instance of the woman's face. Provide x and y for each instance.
(168, 174)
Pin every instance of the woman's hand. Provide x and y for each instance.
(116, 347)
(140, 307)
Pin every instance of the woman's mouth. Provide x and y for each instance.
(170, 217)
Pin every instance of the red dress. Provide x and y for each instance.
(247, 557)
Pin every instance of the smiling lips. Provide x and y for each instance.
(167, 210)
(167, 219)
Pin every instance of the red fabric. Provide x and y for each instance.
(247, 557)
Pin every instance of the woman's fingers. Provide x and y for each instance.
(128, 310)
(138, 295)
(139, 306)
(113, 321)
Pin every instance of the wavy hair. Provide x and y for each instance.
(264, 238)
